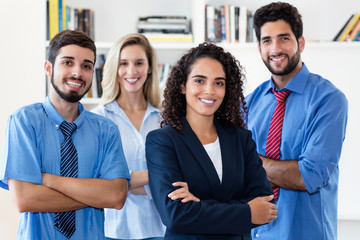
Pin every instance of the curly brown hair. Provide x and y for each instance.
(232, 110)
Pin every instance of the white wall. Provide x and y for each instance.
(21, 80)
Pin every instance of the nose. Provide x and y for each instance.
(132, 69)
(76, 71)
(209, 88)
(275, 48)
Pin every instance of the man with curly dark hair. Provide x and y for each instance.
(205, 175)
(308, 116)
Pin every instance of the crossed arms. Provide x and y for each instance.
(61, 194)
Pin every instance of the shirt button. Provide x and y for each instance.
(257, 235)
(56, 125)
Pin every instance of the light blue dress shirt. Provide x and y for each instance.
(313, 133)
(139, 218)
(32, 146)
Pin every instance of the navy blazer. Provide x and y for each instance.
(223, 212)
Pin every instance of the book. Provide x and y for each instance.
(164, 19)
(232, 23)
(227, 24)
(237, 15)
(217, 23)
(222, 23)
(354, 31)
(357, 36)
(243, 21)
(210, 23)
(165, 74)
(159, 25)
(342, 29)
(53, 18)
(99, 74)
(62, 15)
(170, 37)
(348, 27)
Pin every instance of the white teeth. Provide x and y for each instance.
(74, 84)
(278, 59)
(131, 80)
(207, 101)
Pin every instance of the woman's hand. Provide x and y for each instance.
(262, 211)
(182, 192)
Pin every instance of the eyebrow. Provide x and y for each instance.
(202, 76)
(72, 58)
(279, 35)
(140, 59)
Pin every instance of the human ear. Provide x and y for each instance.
(182, 89)
(301, 41)
(48, 68)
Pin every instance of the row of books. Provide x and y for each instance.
(351, 30)
(96, 89)
(228, 23)
(165, 28)
(60, 17)
(164, 72)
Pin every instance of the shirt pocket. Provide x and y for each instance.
(291, 143)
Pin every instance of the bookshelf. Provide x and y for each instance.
(168, 52)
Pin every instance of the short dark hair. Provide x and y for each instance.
(231, 111)
(278, 11)
(68, 37)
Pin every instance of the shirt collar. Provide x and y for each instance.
(296, 84)
(57, 119)
(115, 108)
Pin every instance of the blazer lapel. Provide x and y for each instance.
(228, 145)
(196, 148)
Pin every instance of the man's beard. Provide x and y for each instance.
(293, 62)
(72, 96)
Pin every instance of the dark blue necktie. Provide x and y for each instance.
(65, 221)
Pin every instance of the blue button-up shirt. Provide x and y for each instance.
(138, 219)
(32, 146)
(313, 132)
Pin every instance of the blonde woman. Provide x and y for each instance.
(131, 98)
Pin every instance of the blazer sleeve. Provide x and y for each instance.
(204, 217)
(255, 175)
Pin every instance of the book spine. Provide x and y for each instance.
(349, 27)
(242, 24)
(64, 15)
(237, 15)
(61, 15)
(222, 20)
(227, 24)
(53, 18)
(210, 12)
(232, 23)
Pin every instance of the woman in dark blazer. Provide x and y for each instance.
(206, 178)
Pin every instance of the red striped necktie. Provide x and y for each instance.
(274, 135)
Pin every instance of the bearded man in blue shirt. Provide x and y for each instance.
(61, 163)
(306, 172)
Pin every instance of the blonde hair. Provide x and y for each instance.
(110, 85)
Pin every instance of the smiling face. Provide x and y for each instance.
(133, 69)
(205, 88)
(280, 50)
(72, 72)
